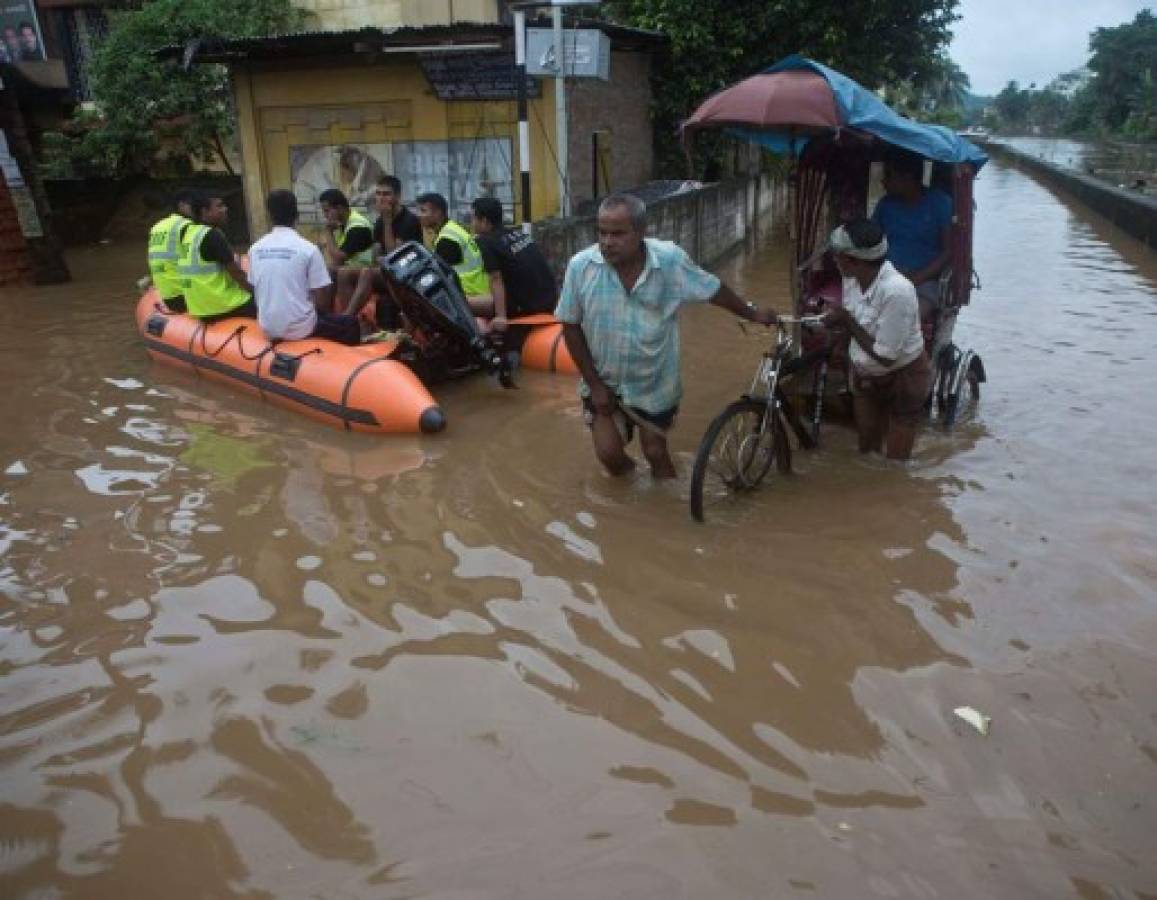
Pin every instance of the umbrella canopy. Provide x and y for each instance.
(798, 98)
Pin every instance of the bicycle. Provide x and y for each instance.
(749, 436)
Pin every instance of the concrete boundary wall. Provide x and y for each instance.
(708, 223)
(1132, 212)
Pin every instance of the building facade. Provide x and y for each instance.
(425, 90)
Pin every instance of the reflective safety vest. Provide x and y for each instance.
(209, 290)
(475, 281)
(164, 252)
(362, 257)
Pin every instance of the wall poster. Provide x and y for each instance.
(20, 37)
(459, 170)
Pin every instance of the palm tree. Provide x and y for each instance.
(946, 84)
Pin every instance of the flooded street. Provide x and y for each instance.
(246, 656)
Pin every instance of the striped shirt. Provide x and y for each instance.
(634, 338)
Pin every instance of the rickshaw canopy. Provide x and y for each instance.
(796, 99)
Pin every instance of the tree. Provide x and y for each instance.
(1012, 105)
(947, 85)
(1124, 62)
(717, 42)
(141, 99)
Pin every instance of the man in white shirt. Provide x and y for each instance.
(289, 280)
(889, 370)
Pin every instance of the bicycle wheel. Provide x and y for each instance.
(736, 453)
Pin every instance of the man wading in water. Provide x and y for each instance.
(890, 375)
(619, 308)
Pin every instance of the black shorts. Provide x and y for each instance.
(247, 310)
(662, 420)
(341, 329)
(175, 304)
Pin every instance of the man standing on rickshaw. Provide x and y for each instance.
(889, 371)
(918, 223)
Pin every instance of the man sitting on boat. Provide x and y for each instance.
(214, 285)
(918, 222)
(889, 369)
(290, 281)
(165, 250)
(395, 226)
(455, 245)
(347, 238)
(521, 281)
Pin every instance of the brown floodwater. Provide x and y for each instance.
(244, 656)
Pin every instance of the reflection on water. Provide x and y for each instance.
(246, 657)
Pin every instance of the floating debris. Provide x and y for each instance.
(974, 717)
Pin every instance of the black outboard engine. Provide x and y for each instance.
(427, 293)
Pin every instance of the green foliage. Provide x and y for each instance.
(717, 42)
(82, 150)
(1124, 61)
(142, 99)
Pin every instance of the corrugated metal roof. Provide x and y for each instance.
(304, 44)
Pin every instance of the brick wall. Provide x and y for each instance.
(15, 259)
(621, 107)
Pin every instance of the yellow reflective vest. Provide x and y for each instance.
(356, 220)
(475, 281)
(164, 253)
(209, 289)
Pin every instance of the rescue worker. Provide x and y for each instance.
(165, 250)
(455, 245)
(348, 236)
(215, 286)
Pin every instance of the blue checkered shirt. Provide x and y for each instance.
(634, 338)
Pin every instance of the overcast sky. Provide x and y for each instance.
(1031, 40)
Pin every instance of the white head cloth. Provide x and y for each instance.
(842, 243)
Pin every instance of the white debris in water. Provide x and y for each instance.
(126, 384)
(308, 563)
(210, 529)
(519, 503)
(17, 468)
(897, 552)
(377, 579)
(729, 600)
(365, 556)
(280, 532)
(585, 518)
(974, 717)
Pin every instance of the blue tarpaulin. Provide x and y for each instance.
(863, 110)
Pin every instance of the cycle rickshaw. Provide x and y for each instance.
(835, 135)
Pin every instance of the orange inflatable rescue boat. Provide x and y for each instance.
(378, 388)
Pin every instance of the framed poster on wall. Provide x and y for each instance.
(354, 169)
(459, 170)
(20, 37)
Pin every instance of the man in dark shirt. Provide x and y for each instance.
(395, 226)
(521, 282)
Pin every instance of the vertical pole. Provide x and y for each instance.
(523, 124)
(594, 164)
(560, 123)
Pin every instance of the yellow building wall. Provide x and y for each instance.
(386, 102)
(338, 15)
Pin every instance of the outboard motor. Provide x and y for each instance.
(426, 291)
